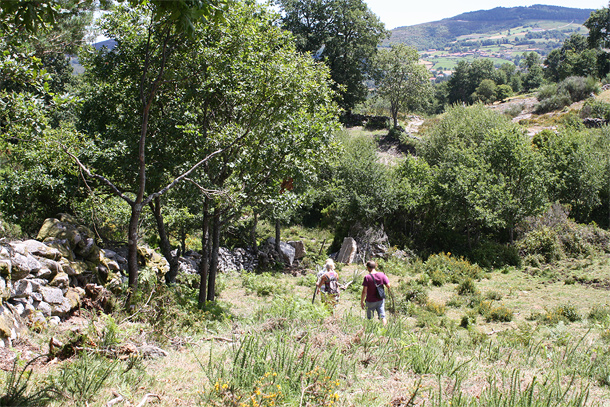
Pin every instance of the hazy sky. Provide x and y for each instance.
(397, 13)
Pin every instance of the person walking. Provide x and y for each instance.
(373, 292)
(328, 285)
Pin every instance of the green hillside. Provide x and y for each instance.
(501, 33)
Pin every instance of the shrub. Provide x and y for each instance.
(560, 313)
(596, 109)
(555, 102)
(495, 255)
(514, 110)
(468, 320)
(578, 87)
(543, 242)
(413, 292)
(262, 284)
(467, 287)
(18, 391)
(493, 296)
(437, 308)
(499, 313)
(442, 268)
(599, 313)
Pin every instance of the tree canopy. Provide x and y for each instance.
(342, 33)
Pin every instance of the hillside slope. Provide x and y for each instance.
(440, 34)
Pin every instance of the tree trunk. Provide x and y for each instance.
(166, 248)
(214, 257)
(132, 247)
(253, 232)
(182, 240)
(277, 237)
(205, 253)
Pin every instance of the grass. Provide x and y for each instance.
(441, 348)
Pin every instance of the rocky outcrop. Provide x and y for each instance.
(41, 280)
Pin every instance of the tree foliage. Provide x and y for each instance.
(342, 33)
(400, 79)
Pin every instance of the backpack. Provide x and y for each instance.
(332, 286)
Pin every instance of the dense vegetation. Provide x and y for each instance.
(214, 124)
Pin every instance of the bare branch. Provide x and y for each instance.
(90, 174)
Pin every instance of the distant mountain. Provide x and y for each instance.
(439, 34)
(107, 43)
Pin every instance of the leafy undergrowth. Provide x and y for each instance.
(456, 336)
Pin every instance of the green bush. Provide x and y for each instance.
(263, 284)
(578, 87)
(443, 267)
(437, 308)
(495, 255)
(544, 242)
(599, 313)
(561, 313)
(413, 292)
(499, 313)
(555, 102)
(596, 109)
(467, 287)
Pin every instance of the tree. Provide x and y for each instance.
(139, 80)
(487, 175)
(485, 92)
(342, 33)
(534, 75)
(598, 24)
(400, 79)
(503, 92)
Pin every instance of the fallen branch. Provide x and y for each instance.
(118, 398)
(146, 398)
(218, 338)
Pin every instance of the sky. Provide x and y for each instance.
(398, 13)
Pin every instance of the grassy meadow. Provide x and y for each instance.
(457, 335)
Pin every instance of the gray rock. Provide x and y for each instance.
(299, 248)
(348, 251)
(45, 308)
(54, 321)
(23, 265)
(288, 251)
(52, 295)
(61, 280)
(21, 289)
(151, 352)
(36, 248)
(37, 297)
(62, 309)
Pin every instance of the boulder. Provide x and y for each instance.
(22, 289)
(44, 308)
(150, 258)
(61, 280)
(12, 325)
(52, 295)
(54, 228)
(348, 251)
(62, 245)
(299, 249)
(287, 251)
(5, 290)
(39, 249)
(22, 266)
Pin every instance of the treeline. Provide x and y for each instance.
(471, 186)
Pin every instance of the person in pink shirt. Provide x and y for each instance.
(371, 293)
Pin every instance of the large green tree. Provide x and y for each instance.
(130, 87)
(342, 33)
(486, 173)
(400, 79)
